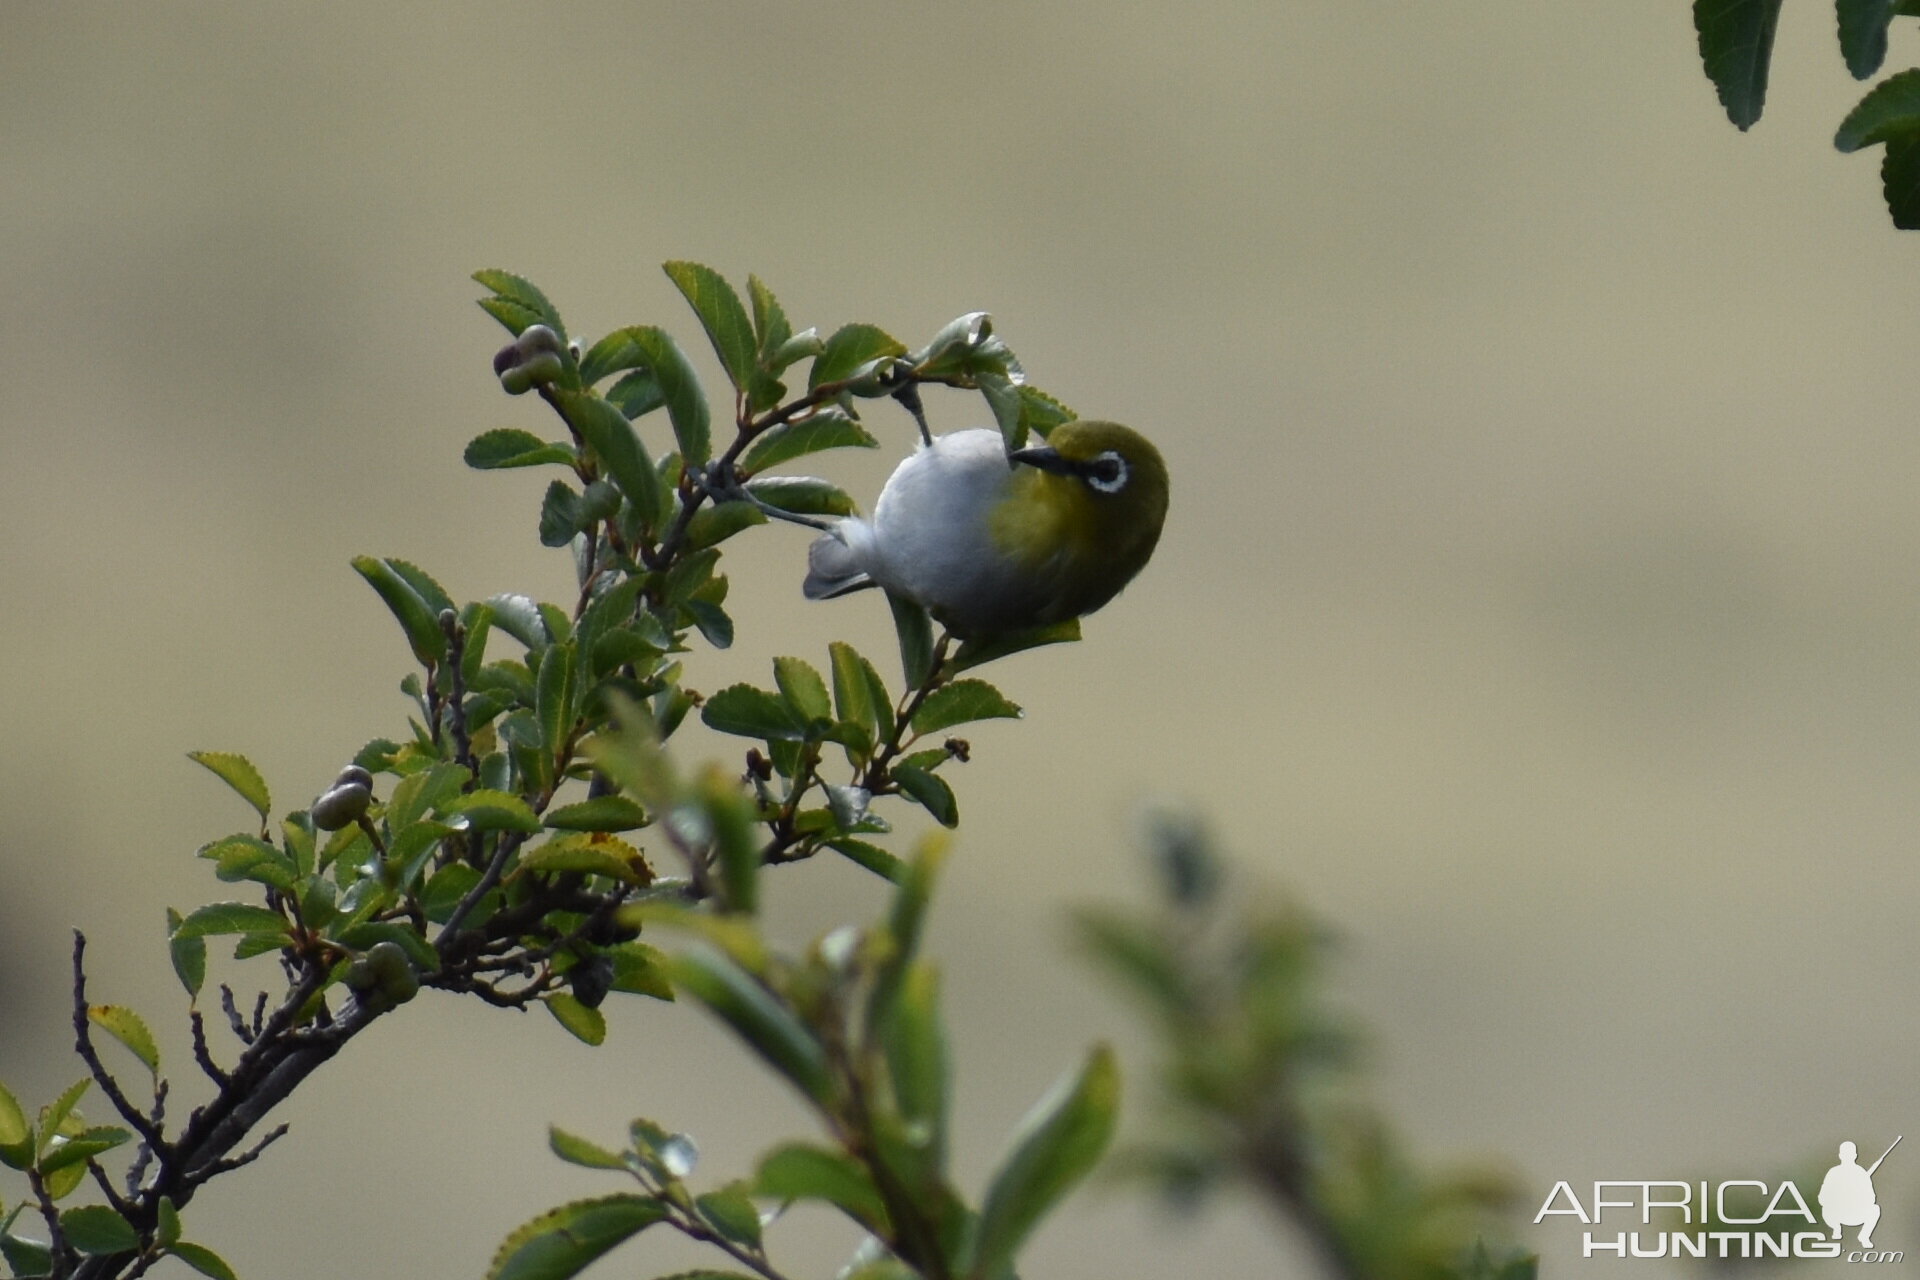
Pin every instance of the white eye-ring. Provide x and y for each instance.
(1108, 472)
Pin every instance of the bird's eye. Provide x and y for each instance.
(1107, 473)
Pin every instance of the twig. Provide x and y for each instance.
(83, 1035)
(234, 1019)
(202, 1055)
(246, 1157)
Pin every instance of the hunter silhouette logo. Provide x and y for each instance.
(1732, 1218)
(1846, 1194)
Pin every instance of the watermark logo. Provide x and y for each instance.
(1738, 1218)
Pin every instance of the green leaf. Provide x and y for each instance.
(615, 352)
(1890, 110)
(16, 1135)
(640, 970)
(1056, 1146)
(802, 687)
(930, 791)
(1009, 411)
(850, 347)
(712, 525)
(422, 627)
(732, 1214)
(237, 772)
(1736, 44)
(437, 600)
(418, 794)
(962, 702)
(977, 653)
(1863, 34)
(769, 318)
(802, 1171)
(126, 1026)
(1137, 954)
(553, 698)
(915, 631)
(98, 1231)
(686, 403)
(577, 1150)
(637, 394)
(78, 1148)
(769, 1028)
(721, 314)
(189, 956)
(617, 445)
(585, 1024)
(244, 857)
(230, 917)
(802, 495)
(916, 1047)
(615, 859)
(1900, 180)
(369, 933)
(825, 429)
(560, 515)
(859, 695)
(730, 815)
(507, 447)
(203, 1260)
(870, 856)
(1041, 412)
(600, 813)
(486, 810)
(26, 1257)
(525, 297)
(562, 1242)
(166, 1229)
(748, 712)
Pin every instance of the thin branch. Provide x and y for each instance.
(142, 1123)
(204, 1056)
(246, 1157)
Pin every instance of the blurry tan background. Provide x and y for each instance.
(1537, 602)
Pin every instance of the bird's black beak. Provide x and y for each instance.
(1043, 458)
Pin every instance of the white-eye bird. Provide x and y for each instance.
(990, 542)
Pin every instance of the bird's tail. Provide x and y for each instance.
(835, 565)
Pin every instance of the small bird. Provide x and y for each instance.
(991, 542)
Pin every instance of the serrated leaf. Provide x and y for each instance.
(850, 347)
(640, 970)
(421, 625)
(1041, 412)
(577, 1150)
(76, 1149)
(714, 524)
(1736, 45)
(826, 429)
(1900, 181)
(600, 813)
(239, 773)
(203, 1260)
(686, 402)
(560, 515)
(244, 857)
(1863, 34)
(612, 858)
(615, 352)
(977, 653)
(126, 1026)
(618, 447)
(673, 1155)
(636, 394)
(767, 1026)
(914, 629)
(769, 317)
(562, 1242)
(507, 447)
(97, 1230)
(553, 698)
(802, 687)
(588, 1025)
(1891, 109)
(729, 1212)
(802, 495)
(962, 702)
(871, 856)
(930, 791)
(854, 690)
(721, 314)
(26, 1257)
(1055, 1147)
(484, 810)
(230, 917)
(16, 1135)
(189, 956)
(520, 617)
(418, 794)
(748, 712)
(802, 1171)
(525, 296)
